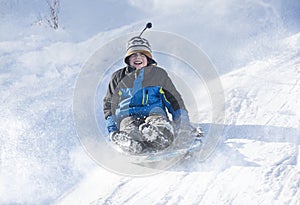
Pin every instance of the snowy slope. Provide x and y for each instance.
(255, 47)
(38, 141)
(257, 161)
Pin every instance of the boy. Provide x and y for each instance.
(137, 98)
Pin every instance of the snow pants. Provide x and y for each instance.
(159, 126)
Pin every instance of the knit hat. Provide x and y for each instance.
(138, 45)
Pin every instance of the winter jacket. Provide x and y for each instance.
(140, 93)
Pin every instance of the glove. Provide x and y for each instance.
(111, 124)
(181, 120)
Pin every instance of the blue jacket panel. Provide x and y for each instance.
(141, 103)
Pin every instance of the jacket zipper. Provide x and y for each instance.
(145, 97)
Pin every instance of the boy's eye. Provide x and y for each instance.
(136, 55)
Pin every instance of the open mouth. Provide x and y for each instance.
(138, 63)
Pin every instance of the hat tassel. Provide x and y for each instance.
(148, 25)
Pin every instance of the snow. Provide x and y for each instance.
(255, 49)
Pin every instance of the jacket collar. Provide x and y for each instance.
(130, 69)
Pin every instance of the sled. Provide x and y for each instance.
(186, 144)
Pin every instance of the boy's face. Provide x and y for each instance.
(138, 60)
